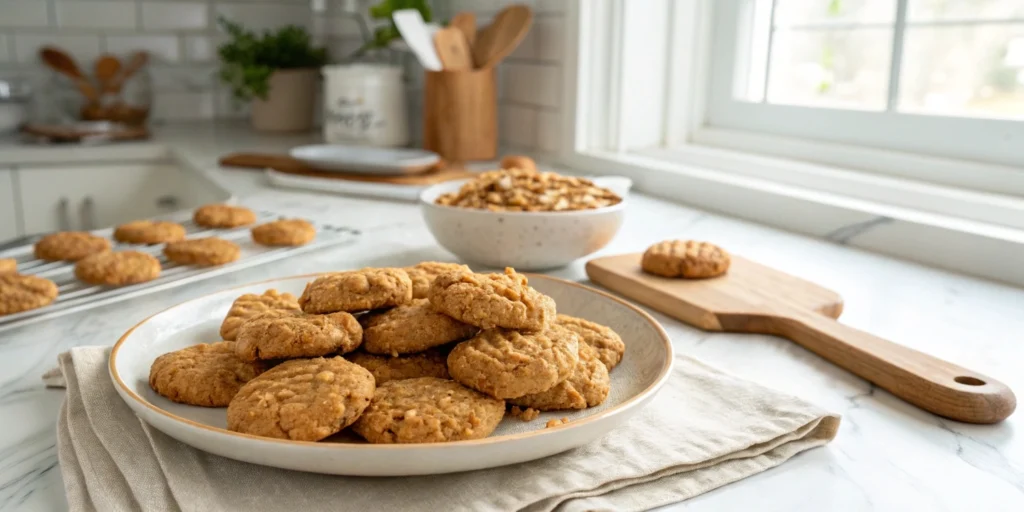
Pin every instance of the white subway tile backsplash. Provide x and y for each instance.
(182, 37)
(549, 38)
(184, 78)
(84, 48)
(175, 16)
(183, 106)
(96, 15)
(5, 49)
(200, 48)
(549, 6)
(265, 16)
(161, 48)
(549, 131)
(532, 84)
(24, 13)
(517, 126)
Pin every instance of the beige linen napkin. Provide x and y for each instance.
(704, 430)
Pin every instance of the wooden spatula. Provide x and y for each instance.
(757, 299)
(453, 50)
(60, 61)
(466, 23)
(502, 36)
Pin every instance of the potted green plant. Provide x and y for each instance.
(277, 71)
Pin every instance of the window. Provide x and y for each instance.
(908, 108)
(934, 77)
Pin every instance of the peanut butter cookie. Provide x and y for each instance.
(604, 340)
(8, 266)
(510, 364)
(428, 410)
(587, 387)
(357, 290)
(688, 259)
(70, 246)
(202, 251)
(289, 232)
(149, 232)
(223, 216)
(209, 374)
(410, 328)
(249, 305)
(492, 300)
(21, 293)
(302, 399)
(117, 268)
(423, 274)
(431, 363)
(295, 334)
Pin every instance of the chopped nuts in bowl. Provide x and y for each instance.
(525, 219)
(521, 190)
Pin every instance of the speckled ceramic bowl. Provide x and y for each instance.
(524, 240)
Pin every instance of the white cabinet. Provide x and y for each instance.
(96, 195)
(8, 208)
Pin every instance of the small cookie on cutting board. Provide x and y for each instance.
(688, 259)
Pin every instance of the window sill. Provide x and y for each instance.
(828, 203)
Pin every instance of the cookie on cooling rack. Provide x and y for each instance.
(203, 251)
(223, 216)
(284, 233)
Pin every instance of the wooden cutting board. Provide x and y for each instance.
(753, 298)
(289, 165)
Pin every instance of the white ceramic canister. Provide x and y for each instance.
(365, 104)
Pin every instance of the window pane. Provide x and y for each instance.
(831, 68)
(796, 12)
(975, 70)
(931, 10)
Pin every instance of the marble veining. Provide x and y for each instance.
(888, 456)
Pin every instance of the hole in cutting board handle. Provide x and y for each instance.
(970, 381)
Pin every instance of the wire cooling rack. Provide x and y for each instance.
(74, 295)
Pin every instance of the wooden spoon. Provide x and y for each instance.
(62, 63)
(466, 23)
(453, 49)
(138, 60)
(107, 67)
(501, 38)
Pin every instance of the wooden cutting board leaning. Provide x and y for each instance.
(753, 298)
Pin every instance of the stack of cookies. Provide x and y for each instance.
(429, 353)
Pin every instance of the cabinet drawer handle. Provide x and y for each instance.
(86, 214)
(63, 219)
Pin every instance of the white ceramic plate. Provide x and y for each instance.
(365, 160)
(635, 381)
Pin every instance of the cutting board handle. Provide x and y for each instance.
(928, 382)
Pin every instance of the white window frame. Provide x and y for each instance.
(639, 73)
(996, 141)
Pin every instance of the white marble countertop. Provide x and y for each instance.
(888, 455)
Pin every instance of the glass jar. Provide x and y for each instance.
(128, 103)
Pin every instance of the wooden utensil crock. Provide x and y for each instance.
(460, 114)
